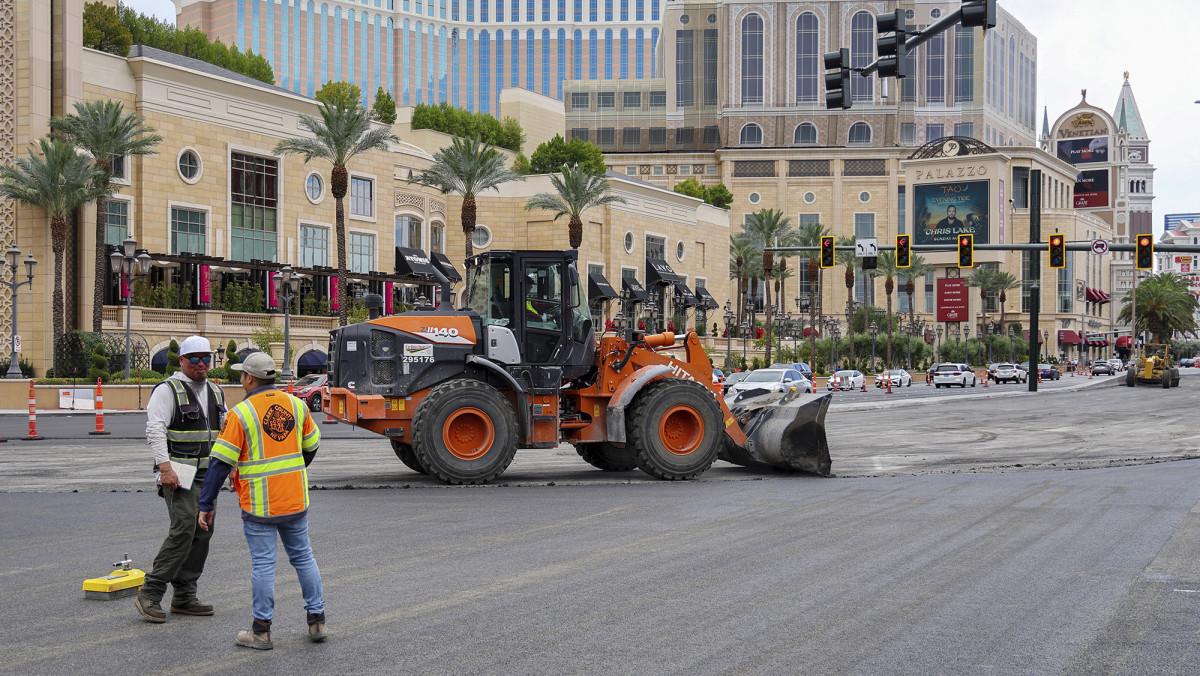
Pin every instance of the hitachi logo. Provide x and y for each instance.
(679, 372)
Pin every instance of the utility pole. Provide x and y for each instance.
(1035, 264)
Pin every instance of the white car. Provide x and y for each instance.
(898, 378)
(772, 380)
(953, 374)
(845, 380)
(1009, 373)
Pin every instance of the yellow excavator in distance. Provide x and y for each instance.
(1152, 366)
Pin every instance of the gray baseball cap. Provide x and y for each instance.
(258, 364)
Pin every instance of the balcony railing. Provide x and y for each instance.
(160, 324)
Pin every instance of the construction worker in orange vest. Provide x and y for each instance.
(269, 439)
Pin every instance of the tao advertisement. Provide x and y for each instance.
(943, 211)
(1083, 150)
(1091, 189)
(952, 300)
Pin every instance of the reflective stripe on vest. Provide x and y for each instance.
(265, 463)
(192, 442)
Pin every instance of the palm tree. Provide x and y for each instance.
(1164, 305)
(467, 167)
(576, 190)
(917, 270)
(770, 228)
(1005, 282)
(341, 134)
(852, 263)
(58, 183)
(885, 266)
(105, 131)
(810, 234)
(744, 263)
(983, 277)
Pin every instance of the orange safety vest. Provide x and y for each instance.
(264, 439)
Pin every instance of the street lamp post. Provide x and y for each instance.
(1012, 338)
(745, 327)
(125, 265)
(967, 343)
(14, 367)
(939, 342)
(874, 329)
(729, 317)
(288, 289)
(1046, 343)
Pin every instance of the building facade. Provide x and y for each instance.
(1184, 265)
(462, 52)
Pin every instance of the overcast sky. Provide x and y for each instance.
(1089, 46)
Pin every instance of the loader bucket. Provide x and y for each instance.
(784, 430)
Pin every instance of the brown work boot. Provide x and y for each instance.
(151, 610)
(192, 607)
(259, 637)
(316, 627)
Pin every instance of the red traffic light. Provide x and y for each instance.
(964, 241)
(1056, 241)
(1144, 241)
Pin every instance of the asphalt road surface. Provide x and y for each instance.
(952, 541)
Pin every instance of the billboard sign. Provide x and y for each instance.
(1083, 150)
(952, 300)
(1091, 189)
(943, 211)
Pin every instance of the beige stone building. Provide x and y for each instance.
(216, 209)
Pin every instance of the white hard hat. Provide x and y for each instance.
(195, 345)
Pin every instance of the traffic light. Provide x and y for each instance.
(1145, 252)
(1058, 251)
(837, 82)
(827, 257)
(890, 45)
(903, 251)
(979, 13)
(966, 251)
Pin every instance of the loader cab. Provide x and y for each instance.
(539, 297)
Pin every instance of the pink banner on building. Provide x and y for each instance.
(387, 297)
(272, 290)
(205, 291)
(124, 288)
(333, 296)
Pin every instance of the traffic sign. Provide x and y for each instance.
(16, 343)
(1100, 246)
(866, 247)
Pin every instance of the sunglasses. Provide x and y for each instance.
(206, 359)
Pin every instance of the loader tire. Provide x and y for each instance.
(674, 429)
(465, 432)
(407, 456)
(607, 457)
(1130, 378)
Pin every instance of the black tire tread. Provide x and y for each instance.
(638, 419)
(407, 456)
(606, 456)
(457, 390)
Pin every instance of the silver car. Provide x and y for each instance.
(1009, 373)
(772, 380)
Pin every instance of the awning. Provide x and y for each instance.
(1068, 337)
(634, 289)
(599, 289)
(1096, 296)
(447, 267)
(659, 273)
(707, 302)
(313, 359)
(413, 263)
(684, 296)
(1025, 334)
(808, 331)
(1125, 341)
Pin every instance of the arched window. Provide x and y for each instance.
(752, 135)
(860, 134)
(806, 134)
(752, 60)
(807, 54)
(862, 53)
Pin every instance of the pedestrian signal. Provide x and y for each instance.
(827, 257)
(966, 251)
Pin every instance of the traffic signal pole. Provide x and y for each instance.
(1035, 284)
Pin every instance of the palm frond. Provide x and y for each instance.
(58, 181)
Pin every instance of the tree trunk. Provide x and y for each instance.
(767, 306)
(575, 231)
(101, 265)
(469, 213)
(58, 242)
(338, 183)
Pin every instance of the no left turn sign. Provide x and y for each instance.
(1099, 246)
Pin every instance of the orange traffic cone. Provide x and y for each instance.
(33, 435)
(889, 384)
(99, 408)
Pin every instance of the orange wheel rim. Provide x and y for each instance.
(681, 430)
(468, 433)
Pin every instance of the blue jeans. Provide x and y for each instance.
(261, 537)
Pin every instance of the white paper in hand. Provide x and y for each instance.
(186, 474)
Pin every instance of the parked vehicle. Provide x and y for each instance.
(797, 365)
(772, 380)
(897, 377)
(953, 374)
(308, 389)
(1048, 372)
(731, 380)
(718, 376)
(845, 380)
(1009, 373)
(1102, 368)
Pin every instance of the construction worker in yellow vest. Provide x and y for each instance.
(269, 439)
